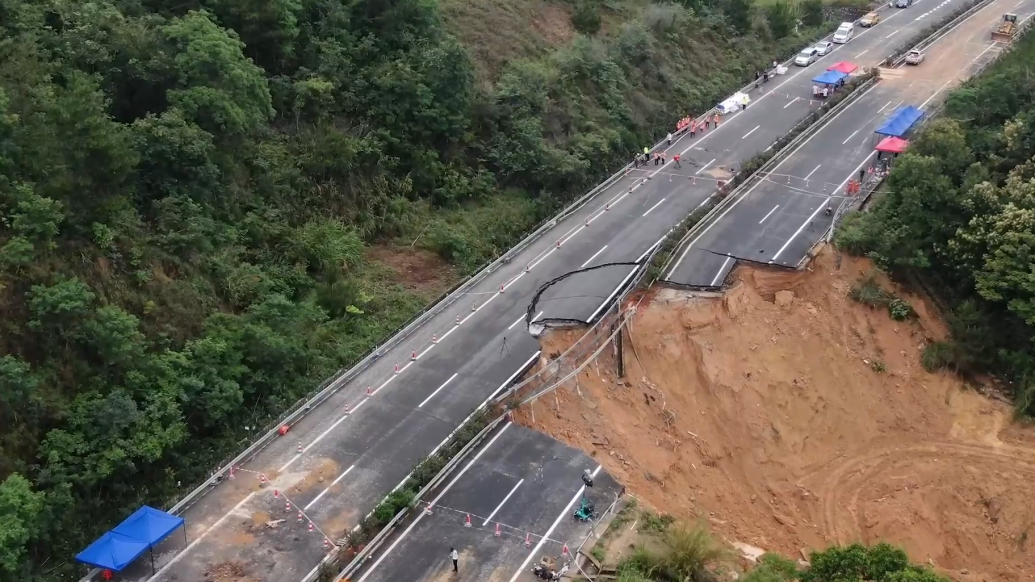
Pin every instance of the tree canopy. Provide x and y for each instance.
(958, 219)
(191, 194)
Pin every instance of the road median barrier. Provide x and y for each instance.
(756, 168)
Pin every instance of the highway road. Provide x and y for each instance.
(355, 447)
(781, 218)
(523, 485)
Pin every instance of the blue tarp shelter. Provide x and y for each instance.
(138, 533)
(901, 121)
(112, 551)
(830, 77)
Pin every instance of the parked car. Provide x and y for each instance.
(914, 57)
(844, 33)
(869, 20)
(903, 3)
(823, 47)
(806, 57)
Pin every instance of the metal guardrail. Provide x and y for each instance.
(814, 127)
(329, 387)
(850, 205)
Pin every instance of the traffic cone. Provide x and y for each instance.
(587, 222)
(528, 540)
(413, 355)
(434, 339)
(427, 509)
(287, 506)
(326, 544)
(497, 534)
(369, 393)
(346, 408)
(607, 207)
(467, 520)
(558, 243)
(396, 371)
(458, 320)
(276, 493)
(311, 527)
(528, 267)
(300, 447)
(502, 287)
(564, 550)
(474, 307)
(299, 517)
(262, 480)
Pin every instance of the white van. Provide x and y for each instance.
(844, 33)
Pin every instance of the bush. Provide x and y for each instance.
(869, 292)
(811, 12)
(937, 356)
(900, 310)
(586, 18)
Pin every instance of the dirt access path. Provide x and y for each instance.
(791, 417)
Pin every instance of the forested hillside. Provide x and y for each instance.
(958, 219)
(208, 207)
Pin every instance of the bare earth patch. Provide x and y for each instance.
(416, 269)
(766, 412)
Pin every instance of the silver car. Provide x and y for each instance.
(806, 57)
(823, 47)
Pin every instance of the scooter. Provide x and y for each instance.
(543, 573)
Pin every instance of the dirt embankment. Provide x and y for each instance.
(803, 419)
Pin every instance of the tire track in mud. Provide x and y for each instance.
(840, 483)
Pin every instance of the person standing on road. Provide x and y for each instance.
(693, 128)
(675, 158)
(669, 139)
(663, 154)
(455, 557)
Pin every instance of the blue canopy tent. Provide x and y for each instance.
(139, 532)
(112, 551)
(901, 121)
(830, 77)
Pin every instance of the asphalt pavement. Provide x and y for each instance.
(355, 447)
(780, 219)
(518, 494)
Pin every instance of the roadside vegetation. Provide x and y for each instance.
(957, 221)
(203, 204)
(680, 552)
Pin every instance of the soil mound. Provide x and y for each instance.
(791, 418)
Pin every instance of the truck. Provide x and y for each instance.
(1006, 29)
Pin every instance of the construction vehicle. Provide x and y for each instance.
(1006, 29)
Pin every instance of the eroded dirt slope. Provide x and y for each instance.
(769, 415)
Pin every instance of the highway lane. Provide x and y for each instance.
(672, 193)
(780, 219)
(383, 435)
(504, 488)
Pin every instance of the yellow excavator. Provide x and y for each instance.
(1006, 29)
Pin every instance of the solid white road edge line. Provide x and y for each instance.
(421, 515)
(759, 183)
(819, 208)
(549, 532)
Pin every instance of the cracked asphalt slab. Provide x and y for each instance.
(780, 220)
(461, 357)
(526, 484)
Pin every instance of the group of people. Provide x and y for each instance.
(826, 90)
(684, 125)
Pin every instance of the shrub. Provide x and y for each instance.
(586, 18)
(900, 310)
(868, 292)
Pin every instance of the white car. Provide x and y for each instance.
(806, 57)
(823, 47)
